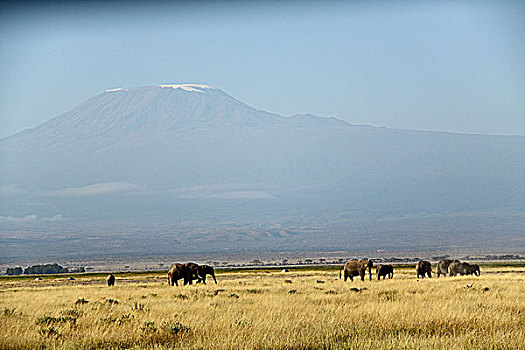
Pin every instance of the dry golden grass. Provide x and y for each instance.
(260, 310)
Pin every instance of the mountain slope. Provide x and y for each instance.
(193, 153)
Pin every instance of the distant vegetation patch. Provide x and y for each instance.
(47, 269)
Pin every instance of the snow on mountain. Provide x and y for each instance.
(189, 87)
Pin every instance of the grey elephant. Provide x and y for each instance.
(424, 268)
(204, 270)
(200, 272)
(442, 267)
(180, 271)
(473, 269)
(458, 268)
(357, 268)
(193, 269)
(385, 270)
(110, 280)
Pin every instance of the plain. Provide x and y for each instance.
(267, 309)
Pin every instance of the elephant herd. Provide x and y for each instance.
(189, 272)
(456, 267)
(447, 267)
(353, 268)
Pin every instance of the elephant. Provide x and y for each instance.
(442, 267)
(385, 270)
(424, 267)
(357, 268)
(200, 272)
(110, 280)
(204, 270)
(194, 272)
(473, 269)
(181, 271)
(458, 267)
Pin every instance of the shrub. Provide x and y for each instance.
(52, 319)
(81, 301)
(49, 332)
(174, 327)
(118, 320)
(148, 326)
(138, 307)
(9, 312)
(72, 312)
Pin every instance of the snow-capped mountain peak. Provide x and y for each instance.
(188, 87)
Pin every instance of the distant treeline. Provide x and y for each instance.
(42, 270)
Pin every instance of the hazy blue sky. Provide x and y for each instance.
(443, 65)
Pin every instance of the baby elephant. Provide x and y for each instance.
(385, 270)
(110, 280)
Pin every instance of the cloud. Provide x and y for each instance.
(219, 191)
(7, 190)
(241, 195)
(224, 191)
(90, 190)
(17, 220)
(57, 217)
(94, 190)
(29, 218)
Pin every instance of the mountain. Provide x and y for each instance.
(191, 154)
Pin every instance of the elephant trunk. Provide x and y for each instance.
(213, 275)
(341, 269)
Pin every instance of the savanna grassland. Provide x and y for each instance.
(301, 309)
